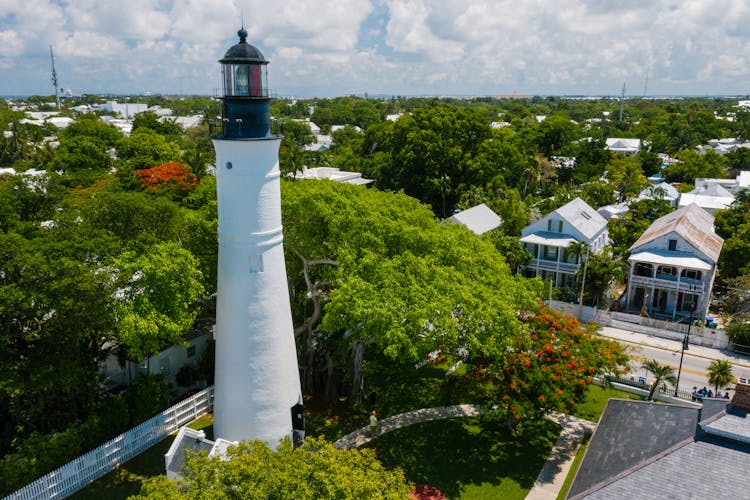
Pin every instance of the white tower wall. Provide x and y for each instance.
(257, 379)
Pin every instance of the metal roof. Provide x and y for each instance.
(581, 216)
(693, 224)
(549, 239)
(478, 219)
(666, 257)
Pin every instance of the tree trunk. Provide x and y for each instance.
(330, 394)
(358, 351)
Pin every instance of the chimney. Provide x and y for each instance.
(741, 399)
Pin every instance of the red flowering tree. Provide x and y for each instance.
(549, 368)
(171, 177)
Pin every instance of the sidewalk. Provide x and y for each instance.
(674, 346)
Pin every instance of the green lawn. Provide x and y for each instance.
(127, 479)
(470, 458)
(596, 399)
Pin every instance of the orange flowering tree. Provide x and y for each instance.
(548, 368)
(171, 177)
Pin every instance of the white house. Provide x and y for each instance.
(548, 239)
(710, 197)
(332, 174)
(478, 219)
(625, 146)
(673, 265)
(661, 191)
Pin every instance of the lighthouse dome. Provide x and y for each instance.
(243, 52)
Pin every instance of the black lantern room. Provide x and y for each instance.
(246, 109)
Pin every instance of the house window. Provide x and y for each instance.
(550, 253)
(559, 226)
(692, 274)
(191, 351)
(672, 245)
(549, 225)
(666, 270)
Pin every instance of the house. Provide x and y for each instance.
(710, 197)
(547, 240)
(478, 219)
(628, 147)
(613, 211)
(333, 174)
(645, 450)
(661, 191)
(673, 265)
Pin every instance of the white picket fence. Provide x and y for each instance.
(74, 475)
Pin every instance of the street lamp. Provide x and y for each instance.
(685, 346)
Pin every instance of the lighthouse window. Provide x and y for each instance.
(256, 263)
(229, 165)
(240, 79)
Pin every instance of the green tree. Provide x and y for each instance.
(720, 374)
(693, 165)
(146, 148)
(663, 375)
(626, 176)
(252, 471)
(154, 302)
(547, 367)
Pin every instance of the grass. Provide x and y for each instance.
(596, 399)
(573, 469)
(471, 458)
(127, 479)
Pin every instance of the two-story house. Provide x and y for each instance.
(673, 265)
(548, 240)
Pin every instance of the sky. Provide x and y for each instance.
(382, 47)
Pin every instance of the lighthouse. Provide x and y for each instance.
(257, 387)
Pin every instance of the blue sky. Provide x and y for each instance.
(392, 47)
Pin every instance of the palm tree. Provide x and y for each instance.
(720, 374)
(663, 375)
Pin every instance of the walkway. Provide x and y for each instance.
(550, 479)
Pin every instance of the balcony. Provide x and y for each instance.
(553, 265)
(670, 282)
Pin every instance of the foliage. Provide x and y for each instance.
(720, 374)
(370, 257)
(733, 224)
(738, 331)
(172, 177)
(548, 368)
(693, 165)
(627, 228)
(156, 290)
(252, 470)
(145, 148)
(663, 375)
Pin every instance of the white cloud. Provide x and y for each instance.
(386, 46)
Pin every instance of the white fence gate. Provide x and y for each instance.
(74, 475)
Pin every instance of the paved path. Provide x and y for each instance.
(362, 436)
(555, 470)
(552, 475)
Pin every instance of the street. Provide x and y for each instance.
(642, 347)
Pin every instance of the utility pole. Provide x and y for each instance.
(685, 346)
(622, 100)
(583, 285)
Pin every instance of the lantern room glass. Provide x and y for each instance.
(245, 80)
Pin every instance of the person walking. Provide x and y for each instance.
(373, 423)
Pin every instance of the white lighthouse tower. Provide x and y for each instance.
(257, 391)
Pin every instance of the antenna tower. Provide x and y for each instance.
(54, 77)
(645, 85)
(622, 100)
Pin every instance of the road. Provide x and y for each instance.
(643, 347)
